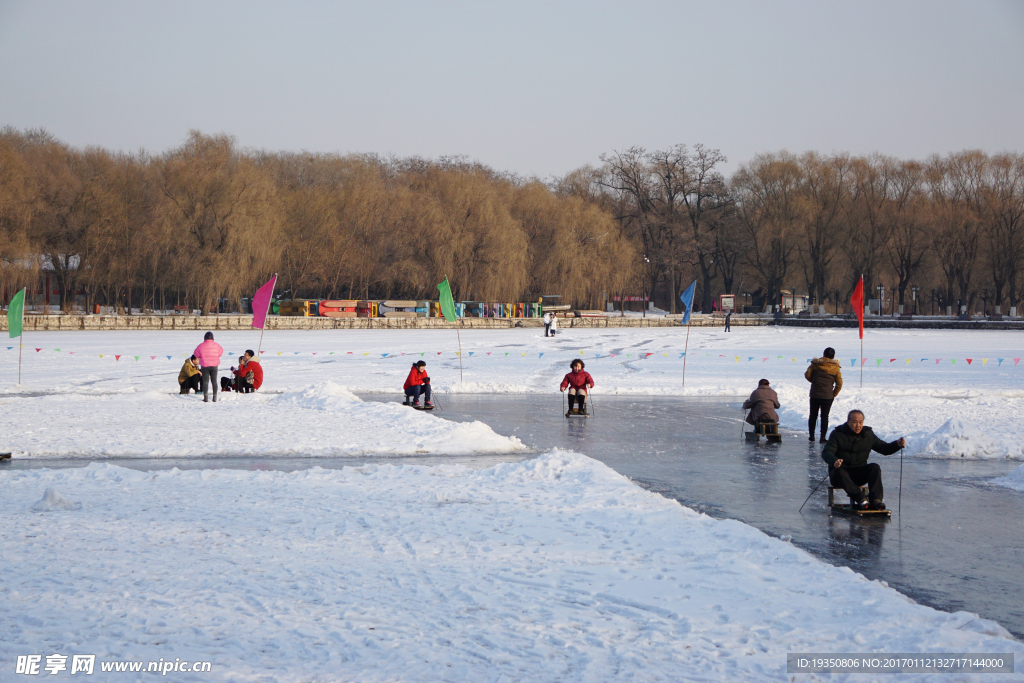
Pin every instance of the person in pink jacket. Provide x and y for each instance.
(208, 354)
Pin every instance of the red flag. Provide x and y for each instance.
(857, 302)
(261, 302)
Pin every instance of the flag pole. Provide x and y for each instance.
(862, 362)
(458, 324)
(686, 350)
(21, 344)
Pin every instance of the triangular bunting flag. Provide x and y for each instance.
(470, 353)
(384, 355)
(38, 350)
(538, 356)
(57, 350)
(953, 361)
(892, 360)
(878, 361)
(969, 360)
(488, 353)
(1016, 360)
(908, 361)
(152, 357)
(750, 358)
(1000, 360)
(736, 357)
(763, 360)
(168, 357)
(136, 358)
(648, 355)
(984, 361)
(938, 360)
(116, 357)
(101, 355)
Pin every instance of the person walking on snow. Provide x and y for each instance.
(826, 382)
(762, 404)
(547, 324)
(208, 353)
(554, 323)
(728, 321)
(418, 382)
(847, 452)
(577, 381)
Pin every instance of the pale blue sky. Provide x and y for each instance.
(538, 88)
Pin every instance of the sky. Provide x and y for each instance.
(535, 88)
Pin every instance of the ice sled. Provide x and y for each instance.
(769, 430)
(847, 508)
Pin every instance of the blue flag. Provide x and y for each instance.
(687, 299)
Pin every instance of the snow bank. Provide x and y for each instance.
(322, 419)
(1014, 480)
(551, 569)
(52, 500)
(957, 439)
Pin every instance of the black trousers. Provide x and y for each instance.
(415, 391)
(210, 377)
(850, 479)
(579, 396)
(547, 329)
(190, 384)
(825, 406)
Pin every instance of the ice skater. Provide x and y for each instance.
(418, 382)
(208, 354)
(577, 381)
(826, 381)
(847, 452)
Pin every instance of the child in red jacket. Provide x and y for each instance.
(577, 381)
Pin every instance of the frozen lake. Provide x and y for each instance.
(957, 545)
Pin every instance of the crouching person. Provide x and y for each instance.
(418, 382)
(249, 374)
(189, 377)
(847, 452)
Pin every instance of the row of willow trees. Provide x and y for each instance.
(207, 221)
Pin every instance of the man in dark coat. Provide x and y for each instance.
(847, 452)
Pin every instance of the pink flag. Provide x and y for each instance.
(261, 302)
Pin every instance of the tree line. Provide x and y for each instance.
(208, 221)
(949, 229)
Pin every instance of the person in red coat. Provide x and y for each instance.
(577, 381)
(418, 382)
(249, 373)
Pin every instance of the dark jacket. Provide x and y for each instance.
(854, 449)
(825, 378)
(763, 401)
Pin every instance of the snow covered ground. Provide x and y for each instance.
(951, 393)
(552, 569)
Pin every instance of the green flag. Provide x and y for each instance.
(16, 313)
(447, 301)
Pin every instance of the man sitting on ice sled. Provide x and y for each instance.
(847, 452)
(762, 404)
(577, 382)
(418, 383)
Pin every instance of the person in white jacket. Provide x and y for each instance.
(547, 324)
(554, 323)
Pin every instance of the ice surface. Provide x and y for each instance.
(553, 569)
(130, 407)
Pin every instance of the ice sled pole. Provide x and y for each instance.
(899, 504)
(812, 492)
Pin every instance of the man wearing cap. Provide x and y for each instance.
(762, 404)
